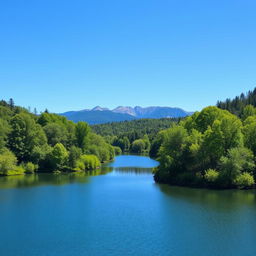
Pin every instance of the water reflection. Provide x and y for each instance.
(135, 170)
(40, 179)
(219, 199)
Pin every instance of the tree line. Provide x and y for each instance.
(30, 142)
(237, 105)
(133, 136)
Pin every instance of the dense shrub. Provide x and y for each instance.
(244, 180)
(211, 175)
(88, 162)
(29, 167)
(8, 164)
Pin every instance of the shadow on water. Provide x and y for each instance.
(40, 179)
(218, 199)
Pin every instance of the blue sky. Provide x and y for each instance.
(70, 55)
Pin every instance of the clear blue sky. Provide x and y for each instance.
(70, 55)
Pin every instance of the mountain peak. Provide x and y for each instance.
(124, 110)
(99, 108)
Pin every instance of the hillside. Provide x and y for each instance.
(96, 116)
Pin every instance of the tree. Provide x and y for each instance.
(247, 111)
(58, 157)
(212, 146)
(126, 143)
(237, 161)
(157, 142)
(11, 103)
(82, 131)
(74, 154)
(171, 154)
(24, 136)
(206, 118)
(138, 146)
(244, 180)
(90, 162)
(8, 162)
(4, 130)
(147, 142)
(119, 142)
(249, 132)
(231, 128)
(55, 133)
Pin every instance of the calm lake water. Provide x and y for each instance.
(122, 212)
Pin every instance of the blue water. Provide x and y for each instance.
(122, 212)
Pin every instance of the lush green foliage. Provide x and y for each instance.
(212, 147)
(211, 175)
(46, 142)
(87, 162)
(244, 180)
(29, 167)
(128, 135)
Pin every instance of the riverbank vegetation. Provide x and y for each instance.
(211, 148)
(49, 142)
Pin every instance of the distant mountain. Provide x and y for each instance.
(125, 110)
(152, 112)
(99, 115)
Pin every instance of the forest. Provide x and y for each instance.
(47, 142)
(211, 148)
(134, 136)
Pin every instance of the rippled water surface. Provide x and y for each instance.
(119, 210)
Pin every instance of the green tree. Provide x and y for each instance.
(82, 131)
(237, 161)
(157, 142)
(74, 154)
(138, 146)
(147, 142)
(4, 130)
(212, 146)
(247, 111)
(56, 133)
(90, 162)
(8, 162)
(58, 157)
(171, 154)
(121, 143)
(245, 180)
(11, 103)
(24, 136)
(249, 132)
(126, 143)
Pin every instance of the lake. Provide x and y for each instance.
(120, 210)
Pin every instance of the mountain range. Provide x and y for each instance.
(99, 115)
